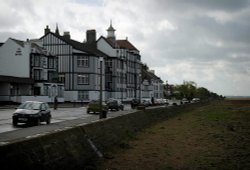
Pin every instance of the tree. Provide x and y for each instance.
(186, 90)
(203, 93)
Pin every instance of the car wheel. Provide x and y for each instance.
(48, 120)
(38, 122)
(14, 122)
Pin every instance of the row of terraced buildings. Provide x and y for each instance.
(57, 66)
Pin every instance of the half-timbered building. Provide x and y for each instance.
(78, 65)
(123, 66)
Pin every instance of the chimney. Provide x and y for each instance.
(152, 71)
(46, 30)
(66, 35)
(91, 37)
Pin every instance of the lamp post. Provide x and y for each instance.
(102, 113)
(140, 82)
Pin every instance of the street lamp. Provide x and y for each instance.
(102, 113)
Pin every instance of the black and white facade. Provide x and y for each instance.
(122, 67)
(78, 67)
(56, 65)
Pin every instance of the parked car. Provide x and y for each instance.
(95, 107)
(114, 104)
(165, 101)
(184, 101)
(32, 112)
(195, 100)
(146, 102)
(135, 103)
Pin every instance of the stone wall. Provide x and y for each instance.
(76, 147)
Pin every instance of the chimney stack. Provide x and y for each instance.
(91, 38)
(46, 30)
(66, 35)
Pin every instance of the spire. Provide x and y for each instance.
(111, 32)
(111, 27)
(57, 30)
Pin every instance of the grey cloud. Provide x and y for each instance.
(226, 5)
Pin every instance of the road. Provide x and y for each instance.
(59, 115)
(62, 119)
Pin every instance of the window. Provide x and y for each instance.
(46, 90)
(83, 79)
(82, 61)
(37, 91)
(83, 95)
(37, 74)
(43, 107)
(61, 78)
(60, 91)
(51, 63)
(52, 76)
(37, 61)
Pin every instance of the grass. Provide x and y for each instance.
(215, 136)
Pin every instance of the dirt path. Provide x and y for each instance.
(210, 137)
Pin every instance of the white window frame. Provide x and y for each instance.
(83, 95)
(83, 79)
(82, 61)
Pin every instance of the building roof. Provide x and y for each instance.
(149, 76)
(11, 79)
(84, 47)
(1, 44)
(125, 44)
(75, 44)
(111, 28)
(19, 42)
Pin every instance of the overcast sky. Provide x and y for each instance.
(205, 41)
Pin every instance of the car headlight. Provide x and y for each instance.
(15, 114)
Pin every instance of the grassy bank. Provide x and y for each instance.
(215, 136)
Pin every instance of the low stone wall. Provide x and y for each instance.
(74, 148)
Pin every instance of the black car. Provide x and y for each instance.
(32, 112)
(114, 104)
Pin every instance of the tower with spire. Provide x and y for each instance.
(111, 32)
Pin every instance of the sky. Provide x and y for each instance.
(205, 41)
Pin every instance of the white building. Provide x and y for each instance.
(152, 86)
(28, 72)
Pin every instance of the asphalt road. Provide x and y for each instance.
(62, 118)
(59, 115)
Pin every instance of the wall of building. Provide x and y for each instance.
(4, 91)
(21, 99)
(14, 56)
(103, 46)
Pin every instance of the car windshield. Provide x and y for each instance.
(30, 106)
